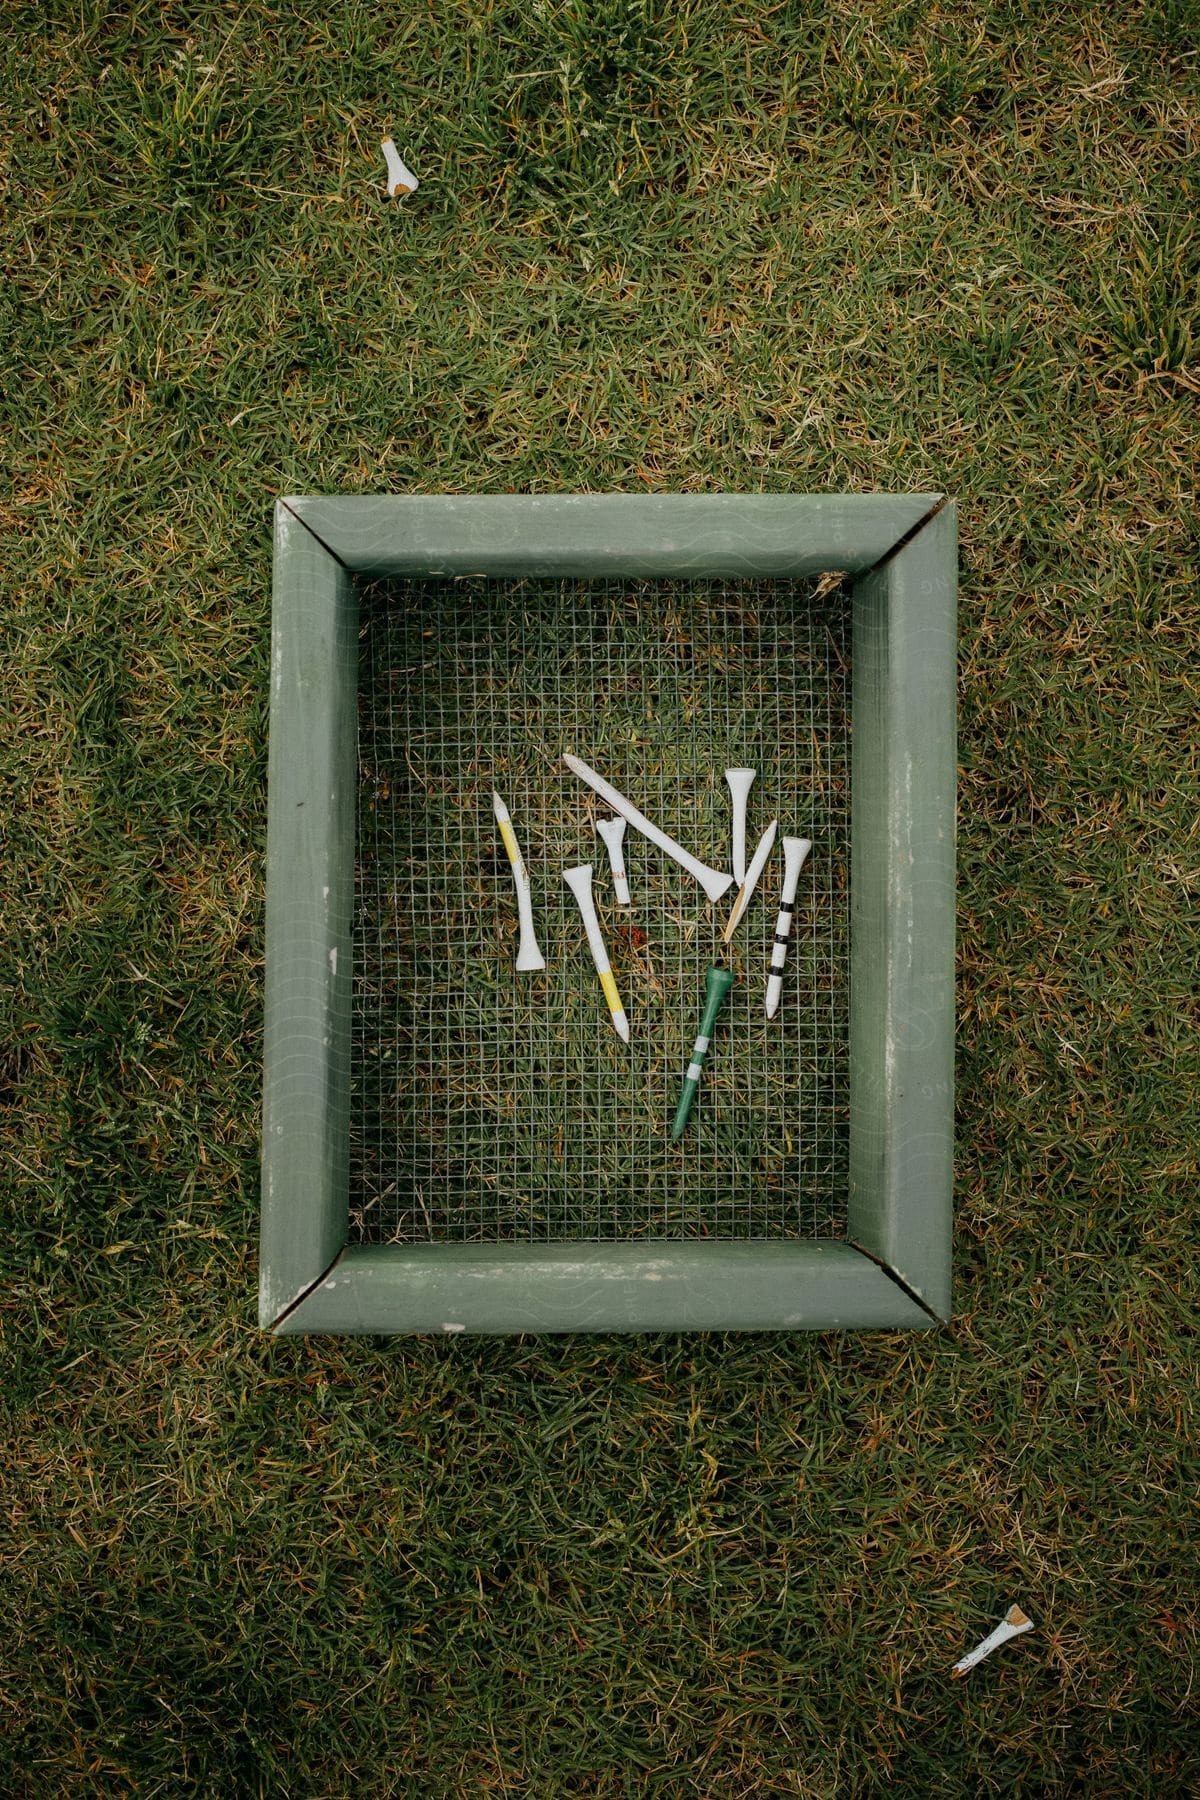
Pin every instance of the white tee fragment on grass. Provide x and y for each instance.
(1012, 1625)
(400, 178)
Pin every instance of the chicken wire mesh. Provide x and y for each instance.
(490, 1105)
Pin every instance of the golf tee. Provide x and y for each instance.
(580, 883)
(613, 833)
(717, 984)
(529, 955)
(795, 853)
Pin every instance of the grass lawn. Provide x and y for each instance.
(656, 247)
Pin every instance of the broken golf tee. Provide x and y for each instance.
(400, 178)
(750, 881)
(529, 955)
(795, 853)
(1011, 1625)
(580, 883)
(717, 984)
(613, 831)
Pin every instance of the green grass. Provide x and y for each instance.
(655, 247)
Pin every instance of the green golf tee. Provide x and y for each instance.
(717, 984)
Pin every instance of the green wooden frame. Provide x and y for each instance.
(893, 1270)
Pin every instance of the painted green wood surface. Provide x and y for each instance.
(902, 912)
(310, 888)
(662, 1285)
(902, 900)
(612, 534)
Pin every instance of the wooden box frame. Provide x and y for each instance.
(893, 1268)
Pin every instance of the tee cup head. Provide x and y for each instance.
(580, 883)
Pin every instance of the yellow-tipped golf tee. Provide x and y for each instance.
(580, 883)
(529, 955)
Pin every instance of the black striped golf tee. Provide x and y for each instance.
(795, 850)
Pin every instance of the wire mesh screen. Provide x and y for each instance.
(494, 1105)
